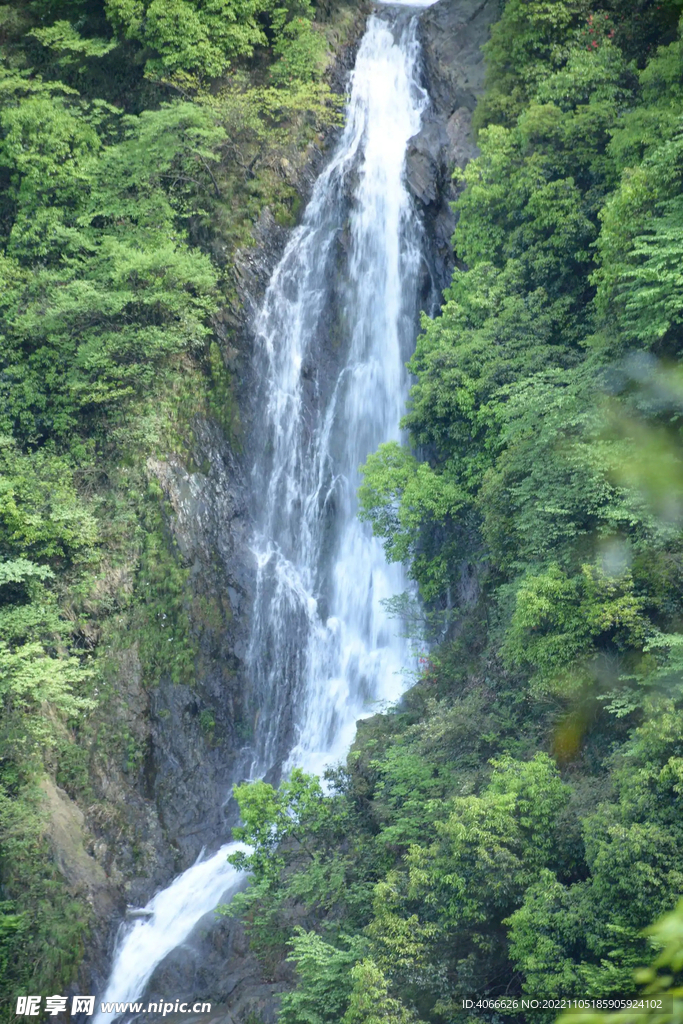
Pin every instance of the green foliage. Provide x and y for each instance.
(370, 1002)
(32, 679)
(44, 526)
(44, 929)
(398, 495)
(558, 620)
(294, 826)
(587, 938)
(41, 514)
(188, 36)
(660, 979)
(301, 50)
(47, 533)
(72, 48)
(270, 816)
(529, 40)
(118, 290)
(485, 854)
(160, 616)
(222, 401)
(638, 277)
(204, 39)
(324, 987)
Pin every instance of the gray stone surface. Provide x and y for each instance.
(452, 33)
(194, 761)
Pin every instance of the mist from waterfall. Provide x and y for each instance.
(336, 327)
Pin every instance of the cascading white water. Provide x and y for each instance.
(333, 335)
(174, 913)
(335, 332)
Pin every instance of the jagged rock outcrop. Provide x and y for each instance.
(452, 33)
(151, 823)
(200, 732)
(82, 871)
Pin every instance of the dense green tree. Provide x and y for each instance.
(189, 38)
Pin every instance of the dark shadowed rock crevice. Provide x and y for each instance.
(452, 33)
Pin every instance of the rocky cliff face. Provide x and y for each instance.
(452, 33)
(150, 823)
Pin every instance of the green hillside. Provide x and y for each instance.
(138, 144)
(516, 824)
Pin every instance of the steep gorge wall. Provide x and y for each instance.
(452, 33)
(216, 965)
(195, 738)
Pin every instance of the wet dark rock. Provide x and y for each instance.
(452, 33)
(461, 146)
(152, 823)
(198, 730)
(215, 965)
(426, 162)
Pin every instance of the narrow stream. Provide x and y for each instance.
(336, 327)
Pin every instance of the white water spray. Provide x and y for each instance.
(335, 330)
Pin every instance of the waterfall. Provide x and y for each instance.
(336, 327)
(334, 333)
